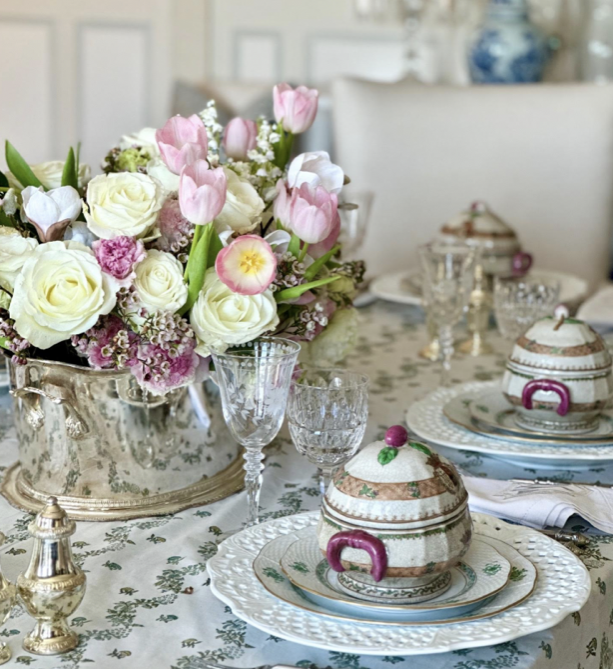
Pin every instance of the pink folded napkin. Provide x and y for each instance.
(541, 506)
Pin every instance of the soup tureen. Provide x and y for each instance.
(481, 227)
(395, 519)
(559, 376)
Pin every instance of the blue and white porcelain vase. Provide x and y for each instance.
(508, 48)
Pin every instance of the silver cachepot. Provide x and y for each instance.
(108, 450)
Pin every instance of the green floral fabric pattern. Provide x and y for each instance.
(148, 601)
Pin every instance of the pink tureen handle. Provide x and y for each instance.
(522, 262)
(546, 384)
(363, 541)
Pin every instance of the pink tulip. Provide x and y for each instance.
(202, 192)
(318, 250)
(282, 203)
(247, 266)
(313, 213)
(239, 137)
(295, 108)
(182, 141)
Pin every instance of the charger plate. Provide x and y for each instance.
(563, 587)
(482, 574)
(493, 415)
(427, 419)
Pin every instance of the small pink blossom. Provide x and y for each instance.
(161, 370)
(182, 141)
(118, 256)
(313, 213)
(107, 345)
(202, 192)
(295, 108)
(239, 138)
(175, 230)
(247, 265)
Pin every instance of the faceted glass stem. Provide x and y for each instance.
(253, 482)
(446, 342)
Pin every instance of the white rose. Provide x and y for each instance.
(144, 138)
(157, 169)
(59, 292)
(316, 169)
(221, 318)
(243, 208)
(50, 174)
(123, 203)
(14, 251)
(336, 340)
(159, 282)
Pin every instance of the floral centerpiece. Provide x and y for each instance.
(195, 238)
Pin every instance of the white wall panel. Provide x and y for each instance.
(26, 87)
(114, 83)
(257, 57)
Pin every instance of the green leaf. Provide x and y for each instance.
(5, 220)
(69, 173)
(313, 269)
(4, 182)
(4, 343)
(294, 293)
(420, 447)
(20, 169)
(386, 455)
(215, 247)
(197, 266)
(294, 245)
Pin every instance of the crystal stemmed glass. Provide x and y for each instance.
(449, 272)
(518, 303)
(354, 213)
(327, 415)
(254, 381)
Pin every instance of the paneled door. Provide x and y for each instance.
(82, 70)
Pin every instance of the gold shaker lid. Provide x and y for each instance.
(52, 522)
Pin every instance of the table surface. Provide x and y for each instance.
(148, 601)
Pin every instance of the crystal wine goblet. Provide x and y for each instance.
(449, 272)
(327, 415)
(254, 381)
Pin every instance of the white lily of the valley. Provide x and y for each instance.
(51, 212)
(316, 169)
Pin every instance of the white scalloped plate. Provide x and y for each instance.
(427, 420)
(563, 587)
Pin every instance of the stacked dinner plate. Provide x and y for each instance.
(551, 409)
(394, 563)
(513, 581)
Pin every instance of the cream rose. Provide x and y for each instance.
(123, 203)
(221, 318)
(243, 208)
(50, 174)
(145, 138)
(159, 282)
(59, 292)
(157, 169)
(14, 251)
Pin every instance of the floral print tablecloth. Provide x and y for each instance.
(148, 602)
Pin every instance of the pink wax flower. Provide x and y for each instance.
(118, 256)
(161, 370)
(313, 213)
(239, 137)
(108, 345)
(247, 265)
(175, 229)
(202, 192)
(281, 205)
(295, 108)
(320, 249)
(182, 141)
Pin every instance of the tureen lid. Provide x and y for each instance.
(561, 343)
(396, 483)
(481, 225)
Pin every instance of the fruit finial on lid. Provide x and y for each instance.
(396, 436)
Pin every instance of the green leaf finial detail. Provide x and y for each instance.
(386, 455)
(420, 447)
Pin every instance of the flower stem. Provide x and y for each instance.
(303, 253)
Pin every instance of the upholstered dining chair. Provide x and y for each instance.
(541, 156)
